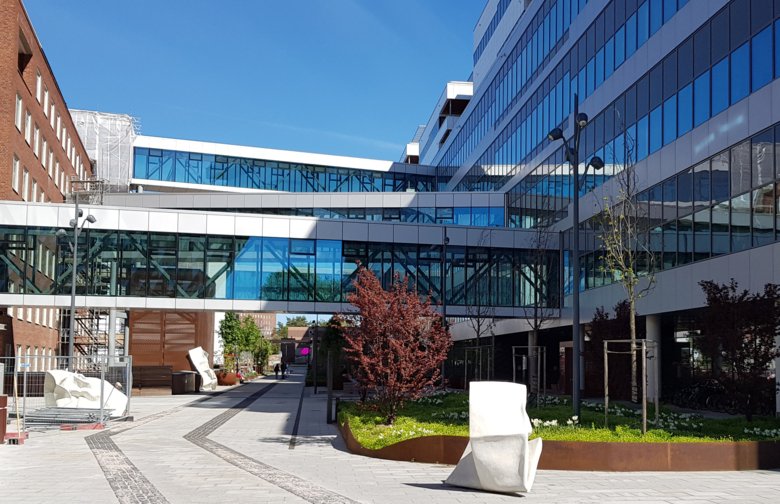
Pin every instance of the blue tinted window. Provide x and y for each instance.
(599, 67)
(643, 23)
(740, 73)
(656, 15)
(620, 46)
(777, 48)
(591, 76)
(670, 120)
(609, 58)
(462, 216)
(670, 8)
(685, 110)
(720, 86)
(762, 58)
(642, 144)
(656, 129)
(631, 36)
(701, 99)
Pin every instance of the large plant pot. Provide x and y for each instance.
(227, 379)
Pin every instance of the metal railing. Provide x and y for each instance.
(34, 404)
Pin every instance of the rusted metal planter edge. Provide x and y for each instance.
(594, 456)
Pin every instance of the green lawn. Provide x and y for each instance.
(447, 414)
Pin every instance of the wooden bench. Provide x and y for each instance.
(151, 376)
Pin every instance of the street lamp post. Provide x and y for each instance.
(573, 157)
(444, 242)
(74, 248)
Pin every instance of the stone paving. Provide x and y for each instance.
(238, 446)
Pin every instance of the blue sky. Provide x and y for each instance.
(348, 77)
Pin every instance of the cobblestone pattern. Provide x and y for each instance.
(126, 480)
(128, 483)
(284, 480)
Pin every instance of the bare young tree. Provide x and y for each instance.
(482, 320)
(538, 301)
(625, 245)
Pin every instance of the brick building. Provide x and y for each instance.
(266, 321)
(40, 153)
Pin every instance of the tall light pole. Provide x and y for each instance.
(573, 157)
(74, 247)
(444, 242)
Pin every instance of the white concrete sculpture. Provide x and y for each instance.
(499, 456)
(200, 359)
(63, 389)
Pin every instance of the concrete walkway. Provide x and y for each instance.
(239, 446)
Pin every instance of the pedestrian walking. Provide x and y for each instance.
(284, 369)
(277, 368)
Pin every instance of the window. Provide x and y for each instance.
(34, 194)
(720, 177)
(28, 127)
(15, 175)
(58, 129)
(36, 141)
(740, 73)
(52, 116)
(670, 120)
(26, 185)
(57, 173)
(44, 151)
(685, 110)
(763, 158)
(46, 101)
(38, 86)
(701, 99)
(720, 87)
(656, 129)
(719, 39)
(761, 48)
(740, 169)
(18, 115)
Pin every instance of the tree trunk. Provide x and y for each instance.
(632, 331)
(533, 337)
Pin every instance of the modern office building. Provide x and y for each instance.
(684, 92)
(40, 153)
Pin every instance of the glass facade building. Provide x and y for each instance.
(192, 266)
(230, 171)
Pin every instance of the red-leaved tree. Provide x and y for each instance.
(395, 341)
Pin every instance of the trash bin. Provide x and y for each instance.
(182, 382)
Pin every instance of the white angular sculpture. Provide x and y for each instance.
(63, 389)
(200, 359)
(499, 456)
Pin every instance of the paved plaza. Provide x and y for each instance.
(251, 444)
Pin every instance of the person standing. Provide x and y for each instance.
(277, 368)
(284, 369)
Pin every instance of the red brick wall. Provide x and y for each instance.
(13, 22)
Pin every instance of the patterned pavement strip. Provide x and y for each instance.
(284, 480)
(128, 483)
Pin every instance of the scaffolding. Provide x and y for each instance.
(108, 139)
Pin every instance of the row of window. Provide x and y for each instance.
(42, 361)
(117, 263)
(491, 28)
(621, 28)
(719, 65)
(57, 125)
(20, 183)
(197, 168)
(46, 317)
(540, 41)
(459, 216)
(728, 203)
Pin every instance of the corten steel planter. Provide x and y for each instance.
(227, 379)
(595, 456)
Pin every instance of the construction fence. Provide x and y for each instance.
(34, 402)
